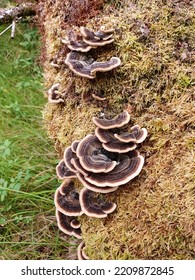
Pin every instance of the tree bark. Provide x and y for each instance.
(23, 10)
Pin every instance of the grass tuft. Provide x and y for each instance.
(27, 158)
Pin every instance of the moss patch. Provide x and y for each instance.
(155, 83)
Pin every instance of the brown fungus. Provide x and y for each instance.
(119, 147)
(101, 34)
(118, 121)
(104, 135)
(63, 172)
(105, 65)
(88, 146)
(64, 224)
(68, 155)
(137, 135)
(126, 170)
(94, 206)
(88, 69)
(66, 199)
(97, 39)
(74, 145)
(94, 188)
(76, 163)
(79, 46)
(81, 252)
(55, 96)
(75, 224)
(80, 68)
(90, 157)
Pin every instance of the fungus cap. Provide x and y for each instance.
(99, 35)
(66, 199)
(118, 121)
(97, 164)
(98, 97)
(64, 224)
(104, 135)
(137, 135)
(54, 96)
(126, 170)
(81, 252)
(88, 69)
(63, 172)
(88, 145)
(75, 224)
(97, 43)
(81, 68)
(79, 46)
(93, 207)
(74, 145)
(76, 163)
(105, 65)
(119, 147)
(94, 188)
(68, 155)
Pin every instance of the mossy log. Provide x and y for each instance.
(22, 10)
(155, 83)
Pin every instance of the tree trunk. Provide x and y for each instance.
(23, 10)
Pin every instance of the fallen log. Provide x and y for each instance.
(9, 14)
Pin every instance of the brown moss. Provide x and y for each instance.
(155, 83)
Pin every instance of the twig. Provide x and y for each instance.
(13, 29)
(6, 29)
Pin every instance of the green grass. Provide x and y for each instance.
(27, 157)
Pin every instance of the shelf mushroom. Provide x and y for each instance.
(81, 252)
(90, 156)
(66, 225)
(88, 69)
(79, 46)
(54, 95)
(118, 121)
(137, 135)
(125, 171)
(97, 39)
(63, 172)
(94, 188)
(95, 207)
(66, 199)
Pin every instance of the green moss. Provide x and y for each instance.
(154, 216)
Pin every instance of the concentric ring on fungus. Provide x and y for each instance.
(125, 171)
(118, 121)
(66, 199)
(94, 208)
(64, 223)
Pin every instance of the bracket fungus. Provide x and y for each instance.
(88, 69)
(65, 224)
(118, 121)
(98, 38)
(79, 46)
(102, 162)
(95, 206)
(66, 199)
(63, 172)
(91, 40)
(137, 135)
(81, 252)
(54, 95)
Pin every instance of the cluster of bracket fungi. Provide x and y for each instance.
(80, 63)
(102, 162)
